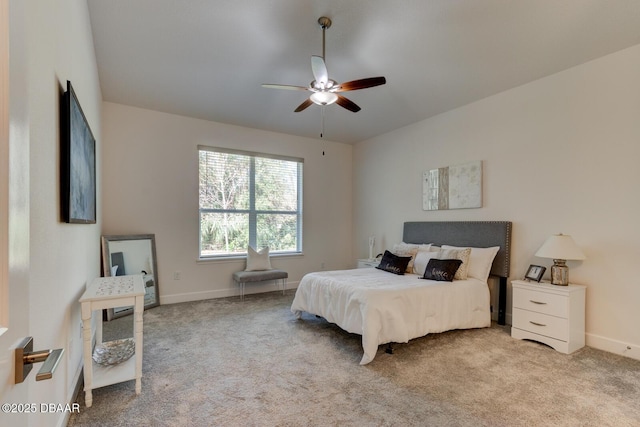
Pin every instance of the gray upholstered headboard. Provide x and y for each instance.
(479, 234)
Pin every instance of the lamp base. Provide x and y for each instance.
(560, 273)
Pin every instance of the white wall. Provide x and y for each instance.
(63, 258)
(150, 186)
(560, 155)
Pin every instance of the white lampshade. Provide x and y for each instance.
(560, 246)
(324, 98)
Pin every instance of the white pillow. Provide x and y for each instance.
(421, 261)
(409, 249)
(258, 260)
(462, 254)
(480, 261)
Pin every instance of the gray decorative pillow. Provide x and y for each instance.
(393, 263)
(442, 270)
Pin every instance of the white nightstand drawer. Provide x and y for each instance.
(542, 324)
(541, 302)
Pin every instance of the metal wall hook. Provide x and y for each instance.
(25, 357)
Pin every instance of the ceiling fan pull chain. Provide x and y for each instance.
(322, 130)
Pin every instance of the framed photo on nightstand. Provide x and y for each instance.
(535, 272)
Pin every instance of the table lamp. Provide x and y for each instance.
(560, 248)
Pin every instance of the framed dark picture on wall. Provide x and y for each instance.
(78, 162)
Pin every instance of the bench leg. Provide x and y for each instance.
(284, 284)
(275, 282)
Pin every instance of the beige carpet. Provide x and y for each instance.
(230, 363)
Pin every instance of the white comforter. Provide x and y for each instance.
(384, 307)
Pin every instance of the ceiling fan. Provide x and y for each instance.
(326, 91)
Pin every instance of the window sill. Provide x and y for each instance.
(234, 259)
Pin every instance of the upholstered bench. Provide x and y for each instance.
(243, 277)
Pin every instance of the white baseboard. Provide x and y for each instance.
(613, 346)
(222, 293)
(603, 343)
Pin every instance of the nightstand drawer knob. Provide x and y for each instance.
(535, 323)
(538, 302)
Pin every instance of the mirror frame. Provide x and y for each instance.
(106, 267)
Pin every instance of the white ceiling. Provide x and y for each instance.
(207, 58)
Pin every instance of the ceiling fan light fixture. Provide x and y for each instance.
(324, 90)
(324, 98)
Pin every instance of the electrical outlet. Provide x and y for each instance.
(177, 275)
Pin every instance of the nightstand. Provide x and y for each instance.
(367, 263)
(550, 314)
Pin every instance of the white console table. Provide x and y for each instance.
(103, 293)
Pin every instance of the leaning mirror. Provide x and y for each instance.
(127, 255)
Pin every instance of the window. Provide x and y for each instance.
(248, 199)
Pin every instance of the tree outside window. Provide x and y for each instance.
(248, 199)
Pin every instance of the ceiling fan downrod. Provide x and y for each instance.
(324, 24)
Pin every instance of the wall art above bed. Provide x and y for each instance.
(452, 187)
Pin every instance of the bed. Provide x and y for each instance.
(388, 308)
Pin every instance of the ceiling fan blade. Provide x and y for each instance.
(304, 105)
(361, 84)
(349, 105)
(319, 69)
(288, 87)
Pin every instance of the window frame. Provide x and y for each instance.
(252, 212)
